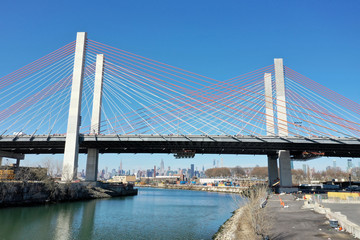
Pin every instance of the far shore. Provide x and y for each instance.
(236, 190)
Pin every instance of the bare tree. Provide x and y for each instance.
(260, 172)
(255, 222)
(218, 172)
(238, 171)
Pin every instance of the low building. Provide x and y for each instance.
(123, 179)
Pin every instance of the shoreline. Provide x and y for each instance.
(18, 194)
(229, 228)
(236, 190)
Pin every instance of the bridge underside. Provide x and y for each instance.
(300, 148)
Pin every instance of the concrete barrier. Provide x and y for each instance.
(344, 195)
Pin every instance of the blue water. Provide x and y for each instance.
(152, 214)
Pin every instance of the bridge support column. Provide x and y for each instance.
(272, 169)
(1, 161)
(285, 168)
(17, 162)
(71, 152)
(93, 153)
(269, 111)
(284, 155)
(280, 97)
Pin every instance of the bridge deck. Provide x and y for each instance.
(200, 144)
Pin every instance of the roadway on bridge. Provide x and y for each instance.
(199, 144)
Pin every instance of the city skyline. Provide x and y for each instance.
(136, 161)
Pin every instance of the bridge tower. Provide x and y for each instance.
(270, 127)
(284, 155)
(71, 153)
(93, 153)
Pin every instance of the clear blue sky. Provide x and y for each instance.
(219, 39)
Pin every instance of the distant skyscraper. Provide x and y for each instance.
(292, 164)
(192, 171)
(304, 168)
(162, 168)
(214, 163)
(222, 162)
(154, 171)
(349, 164)
(334, 163)
(120, 167)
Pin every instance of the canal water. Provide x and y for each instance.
(153, 214)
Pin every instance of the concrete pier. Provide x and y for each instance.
(285, 169)
(272, 169)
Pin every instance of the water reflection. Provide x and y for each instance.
(87, 221)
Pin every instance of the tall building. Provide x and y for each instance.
(154, 171)
(292, 164)
(304, 168)
(334, 164)
(120, 168)
(349, 164)
(162, 168)
(214, 163)
(192, 171)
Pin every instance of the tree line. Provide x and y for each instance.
(298, 174)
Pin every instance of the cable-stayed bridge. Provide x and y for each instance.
(88, 97)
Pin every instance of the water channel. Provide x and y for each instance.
(153, 214)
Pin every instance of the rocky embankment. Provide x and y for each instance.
(19, 193)
(230, 229)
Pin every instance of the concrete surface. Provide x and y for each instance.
(297, 223)
(351, 211)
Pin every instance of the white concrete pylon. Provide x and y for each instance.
(269, 111)
(280, 98)
(93, 153)
(71, 152)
